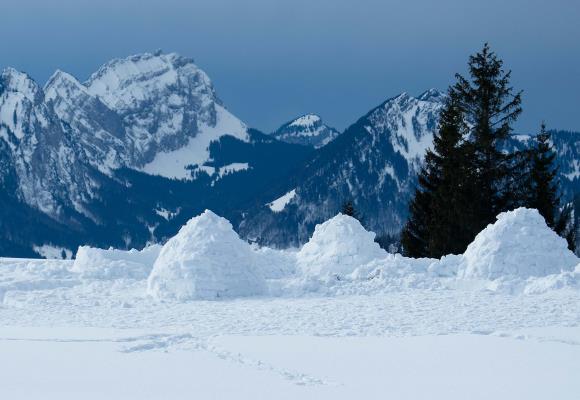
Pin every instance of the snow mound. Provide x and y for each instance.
(519, 244)
(337, 248)
(93, 263)
(205, 260)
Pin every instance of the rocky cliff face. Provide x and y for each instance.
(46, 158)
(139, 111)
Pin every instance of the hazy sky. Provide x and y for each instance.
(273, 60)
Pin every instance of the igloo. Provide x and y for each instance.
(519, 244)
(205, 260)
(338, 247)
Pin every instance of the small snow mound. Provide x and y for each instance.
(205, 260)
(519, 244)
(93, 263)
(337, 248)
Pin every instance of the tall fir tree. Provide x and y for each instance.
(491, 107)
(467, 178)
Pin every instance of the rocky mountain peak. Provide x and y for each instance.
(19, 82)
(126, 83)
(432, 94)
(64, 83)
(307, 130)
(408, 122)
(307, 120)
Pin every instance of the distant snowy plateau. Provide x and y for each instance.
(208, 315)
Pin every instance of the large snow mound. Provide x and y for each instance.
(93, 263)
(205, 260)
(519, 244)
(337, 248)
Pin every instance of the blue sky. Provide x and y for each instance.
(272, 60)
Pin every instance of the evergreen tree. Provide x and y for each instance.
(520, 184)
(389, 242)
(543, 193)
(567, 226)
(451, 219)
(348, 209)
(490, 106)
(415, 233)
(467, 178)
(576, 226)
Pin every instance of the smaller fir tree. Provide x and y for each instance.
(348, 209)
(566, 225)
(415, 234)
(544, 193)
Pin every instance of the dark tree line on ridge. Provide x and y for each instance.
(468, 178)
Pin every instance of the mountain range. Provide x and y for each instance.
(128, 156)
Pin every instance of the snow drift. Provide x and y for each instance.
(205, 260)
(519, 244)
(93, 263)
(337, 248)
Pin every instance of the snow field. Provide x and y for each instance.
(337, 319)
(507, 366)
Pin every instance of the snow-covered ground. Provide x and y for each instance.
(336, 319)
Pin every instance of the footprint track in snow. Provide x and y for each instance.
(190, 342)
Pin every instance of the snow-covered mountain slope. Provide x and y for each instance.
(408, 122)
(154, 112)
(46, 159)
(97, 129)
(168, 104)
(374, 163)
(181, 162)
(307, 130)
(91, 155)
